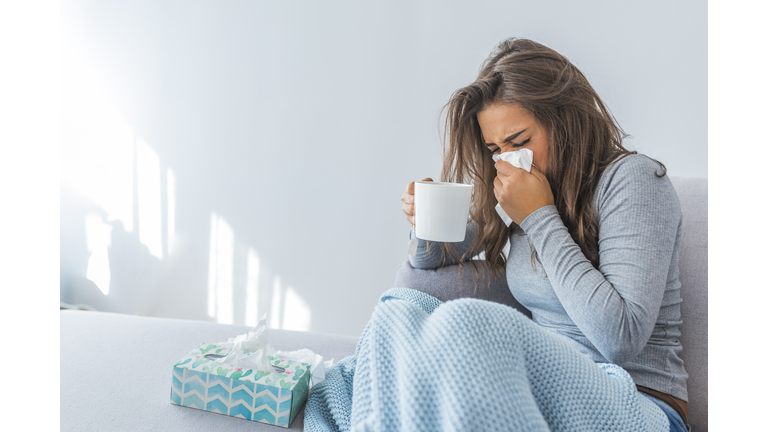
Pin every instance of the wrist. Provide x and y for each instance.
(536, 216)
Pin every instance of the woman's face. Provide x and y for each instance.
(510, 128)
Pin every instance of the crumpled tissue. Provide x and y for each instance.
(522, 158)
(250, 350)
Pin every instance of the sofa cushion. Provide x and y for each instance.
(449, 283)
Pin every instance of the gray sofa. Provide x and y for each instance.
(116, 369)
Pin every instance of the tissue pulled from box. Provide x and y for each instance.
(251, 350)
(521, 159)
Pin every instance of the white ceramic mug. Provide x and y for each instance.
(441, 210)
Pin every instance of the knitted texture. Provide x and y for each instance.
(470, 364)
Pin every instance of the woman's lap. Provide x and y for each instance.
(557, 376)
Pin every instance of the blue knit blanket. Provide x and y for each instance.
(468, 364)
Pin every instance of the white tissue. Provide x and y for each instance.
(522, 159)
(304, 355)
(250, 351)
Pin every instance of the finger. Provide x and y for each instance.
(409, 190)
(504, 167)
(497, 189)
(407, 198)
(497, 184)
(408, 209)
(411, 184)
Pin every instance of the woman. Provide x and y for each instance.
(593, 250)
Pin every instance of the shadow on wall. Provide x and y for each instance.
(123, 248)
(102, 264)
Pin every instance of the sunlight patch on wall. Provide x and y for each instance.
(220, 268)
(170, 190)
(252, 289)
(148, 191)
(296, 312)
(275, 315)
(97, 235)
(236, 272)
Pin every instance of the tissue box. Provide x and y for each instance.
(272, 397)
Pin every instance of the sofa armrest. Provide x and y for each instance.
(450, 282)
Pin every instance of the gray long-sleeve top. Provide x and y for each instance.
(627, 311)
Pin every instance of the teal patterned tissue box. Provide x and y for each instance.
(273, 397)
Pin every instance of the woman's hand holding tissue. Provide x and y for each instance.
(521, 193)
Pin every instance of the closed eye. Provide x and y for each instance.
(492, 148)
(516, 145)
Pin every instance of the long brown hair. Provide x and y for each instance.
(584, 139)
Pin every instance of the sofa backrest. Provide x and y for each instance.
(693, 265)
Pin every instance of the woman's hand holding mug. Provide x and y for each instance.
(407, 200)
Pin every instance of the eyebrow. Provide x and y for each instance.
(509, 138)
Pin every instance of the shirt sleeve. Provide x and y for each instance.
(615, 306)
(436, 257)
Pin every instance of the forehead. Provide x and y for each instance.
(498, 121)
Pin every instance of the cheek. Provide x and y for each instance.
(540, 157)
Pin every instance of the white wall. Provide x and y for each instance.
(221, 160)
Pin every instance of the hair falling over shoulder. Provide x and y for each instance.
(584, 139)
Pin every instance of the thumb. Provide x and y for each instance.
(428, 179)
